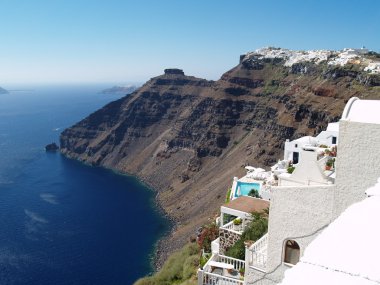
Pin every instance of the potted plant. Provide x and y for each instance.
(329, 164)
(242, 271)
(237, 223)
(290, 169)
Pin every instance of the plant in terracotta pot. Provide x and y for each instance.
(242, 271)
(329, 164)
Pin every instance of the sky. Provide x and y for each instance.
(121, 41)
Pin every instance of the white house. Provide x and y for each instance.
(329, 137)
(298, 213)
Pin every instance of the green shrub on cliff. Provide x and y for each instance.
(180, 268)
(228, 195)
(254, 231)
(209, 233)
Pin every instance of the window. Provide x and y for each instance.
(333, 141)
(291, 252)
(296, 145)
(295, 157)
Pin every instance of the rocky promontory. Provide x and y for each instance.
(188, 137)
(120, 90)
(3, 91)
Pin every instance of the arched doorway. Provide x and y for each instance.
(291, 252)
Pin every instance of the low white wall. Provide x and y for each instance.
(215, 246)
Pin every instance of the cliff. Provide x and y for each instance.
(187, 137)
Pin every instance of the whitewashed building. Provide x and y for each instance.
(305, 202)
(329, 137)
(298, 213)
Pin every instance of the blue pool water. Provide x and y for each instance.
(63, 222)
(245, 188)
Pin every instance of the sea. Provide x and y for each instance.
(63, 222)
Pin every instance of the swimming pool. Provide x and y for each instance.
(245, 188)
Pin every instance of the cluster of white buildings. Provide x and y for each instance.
(341, 58)
(306, 191)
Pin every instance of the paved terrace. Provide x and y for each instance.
(243, 206)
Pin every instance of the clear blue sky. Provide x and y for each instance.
(57, 41)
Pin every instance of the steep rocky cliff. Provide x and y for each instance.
(187, 137)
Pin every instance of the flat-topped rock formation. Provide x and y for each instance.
(175, 71)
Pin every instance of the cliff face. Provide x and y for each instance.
(187, 137)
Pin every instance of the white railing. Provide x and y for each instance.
(323, 161)
(234, 228)
(257, 253)
(260, 244)
(237, 263)
(207, 278)
(258, 260)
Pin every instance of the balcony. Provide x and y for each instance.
(221, 270)
(238, 229)
(256, 254)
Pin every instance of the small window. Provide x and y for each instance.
(296, 157)
(333, 140)
(291, 252)
(296, 145)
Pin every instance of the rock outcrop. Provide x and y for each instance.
(174, 71)
(51, 147)
(187, 137)
(120, 90)
(3, 91)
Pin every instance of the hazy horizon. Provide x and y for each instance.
(71, 42)
(42, 85)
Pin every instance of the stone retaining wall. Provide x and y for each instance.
(227, 239)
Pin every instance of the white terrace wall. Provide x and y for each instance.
(358, 162)
(297, 213)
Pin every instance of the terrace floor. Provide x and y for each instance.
(247, 204)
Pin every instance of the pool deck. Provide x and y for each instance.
(245, 179)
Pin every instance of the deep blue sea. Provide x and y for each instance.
(62, 222)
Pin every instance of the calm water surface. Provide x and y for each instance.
(63, 222)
